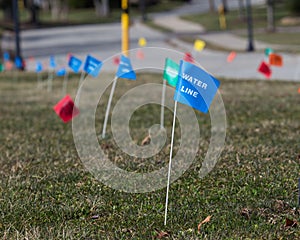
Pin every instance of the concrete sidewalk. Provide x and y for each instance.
(222, 39)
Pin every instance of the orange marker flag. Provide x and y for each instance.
(231, 56)
(275, 60)
(8, 65)
(299, 90)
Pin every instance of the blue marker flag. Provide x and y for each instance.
(75, 64)
(92, 66)
(125, 69)
(52, 62)
(18, 62)
(6, 56)
(39, 67)
(195, 87)
(61, 72)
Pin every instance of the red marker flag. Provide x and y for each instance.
(299, 90)
(66, 109)
(265, 69)
(275, 60)
(188, 57)
(231, 56)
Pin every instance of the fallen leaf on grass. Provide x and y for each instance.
(162, 234)
(146, 140)
(246, 212)
(290, 223)
(207, 219)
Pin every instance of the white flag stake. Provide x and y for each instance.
(162, 110)
(50, 79)
(170, 163)
(108, 106)
(16, 74)
(79, 84)
(65, 83)
(39, 79)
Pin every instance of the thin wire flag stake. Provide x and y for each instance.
(79, 84)
(50, 79)
(39, 79)
(108, 106)
(65, 83)
(162, 110)
(170, 163)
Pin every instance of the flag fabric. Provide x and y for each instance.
(92, 66)
(171, 72)
(8, 65)
(142, 42)
(140, 55)
(231, 56)
(268, 51)
(52, 62)
(1, 67)
(188, 57)
(6, 56)
(116, 60)
(66, 109)
(299, 90)
(275, 60)
(199, 45)
(74, 63)
(61, 72)
(125, 69)
(195, 87)
(38, 67)
(18, 62)
(265, 69)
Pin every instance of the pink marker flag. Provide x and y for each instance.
(265, 69)
(116, 60)
(188, 57)
(140, 54)
(66, 109)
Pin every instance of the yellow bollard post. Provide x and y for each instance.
(222, 18)
(125, 27)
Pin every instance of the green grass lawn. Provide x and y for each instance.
(88, 16)
(237, 22)
(46, 193)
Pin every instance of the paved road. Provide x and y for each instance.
(103, 41)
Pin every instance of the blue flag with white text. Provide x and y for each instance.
(75, 64)
(195, 87)
(92, 66)
(125, 69)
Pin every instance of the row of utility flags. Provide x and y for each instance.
(264, 67)
(193, 87)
